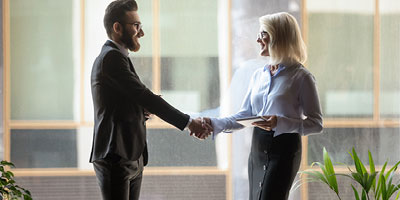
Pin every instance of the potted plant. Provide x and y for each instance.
(377, 184)
(9, 190)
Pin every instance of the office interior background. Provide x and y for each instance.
(199, 55)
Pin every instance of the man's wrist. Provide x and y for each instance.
(187, 125)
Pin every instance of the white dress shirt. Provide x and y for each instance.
(290, 94)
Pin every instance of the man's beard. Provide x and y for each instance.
(128, 41)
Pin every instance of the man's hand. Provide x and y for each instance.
(268, 123)
(200, 129)
(147, 114)
(206, 122)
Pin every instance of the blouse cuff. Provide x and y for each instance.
(287, 125)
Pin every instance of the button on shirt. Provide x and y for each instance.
(290, 94)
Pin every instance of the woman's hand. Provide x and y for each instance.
(268, 124)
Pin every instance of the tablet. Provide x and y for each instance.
(247, 121)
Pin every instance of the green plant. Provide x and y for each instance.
(380, 184)
(8, 188)
(361, 176)
(327, 175)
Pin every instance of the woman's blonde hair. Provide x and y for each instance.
(286, 44)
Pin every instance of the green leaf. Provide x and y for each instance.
(317, 176)
(27, 192)
(17, 193)
(3, 162)
(355, 193)
(394, 168)
(11, 173)
(398, 194)
(330, 172)
(27, 197)
(3, 181)
(371, 163)
(383, 168)
(357, 177)
(364, 195)
(371, 182)
(13, 188)
(357, 162)
(378, 191)
(8, 175)
(383, 187)
(372, 171)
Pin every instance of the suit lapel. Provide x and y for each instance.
(111, 44)
(131, 66)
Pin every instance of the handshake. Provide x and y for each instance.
(200, 128)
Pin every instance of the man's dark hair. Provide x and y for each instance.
(115, 12)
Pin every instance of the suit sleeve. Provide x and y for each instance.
(118, 77)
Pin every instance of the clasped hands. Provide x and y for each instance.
(200, 128)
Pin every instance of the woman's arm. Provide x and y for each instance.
(312, 123)
(228, 124)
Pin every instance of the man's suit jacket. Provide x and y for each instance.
(119, 99)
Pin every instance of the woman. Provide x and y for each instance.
(284, 94)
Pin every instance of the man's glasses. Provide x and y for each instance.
(137, 25)
(262, 35)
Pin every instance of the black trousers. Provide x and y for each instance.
(118, 178)
(273, 164)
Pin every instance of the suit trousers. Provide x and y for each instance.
(118, 178)
(273, 164)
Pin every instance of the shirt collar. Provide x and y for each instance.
(123, 50)
(280, 68)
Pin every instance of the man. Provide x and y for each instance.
(120, 100)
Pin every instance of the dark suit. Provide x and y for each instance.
(119, 99)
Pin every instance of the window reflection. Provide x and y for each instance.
(390, 58)
(382, 142)
(171, 147)
(341, 58)
(42, 60)
(44, 148)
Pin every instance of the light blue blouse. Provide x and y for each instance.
(290, 94)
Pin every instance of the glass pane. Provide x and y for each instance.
(382, 142)
(44, 148)
(191, 84)
(390, 58)
(189, 58)
(1, 87)
(144, 69)
(340, 45)
(142, 60)
(171, 147)
(95, 37)
(42, 60)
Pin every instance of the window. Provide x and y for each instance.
(49, 112)
(353, 53)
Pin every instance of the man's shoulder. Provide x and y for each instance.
(110, 52)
